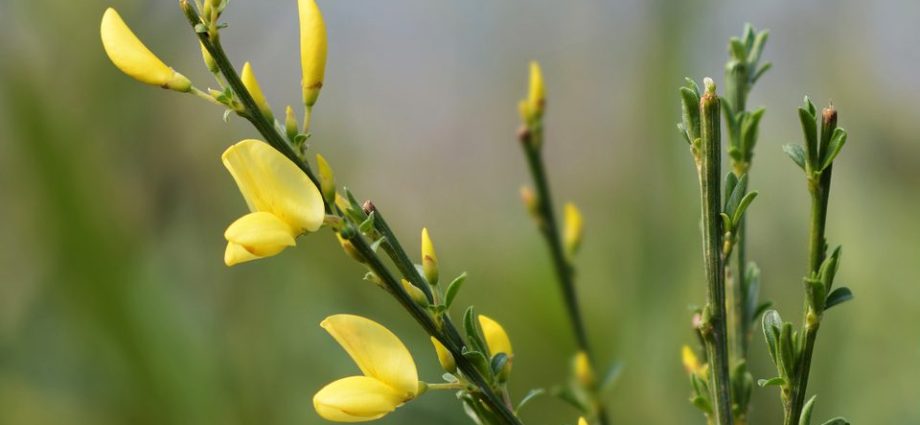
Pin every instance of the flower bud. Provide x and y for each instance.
(444, 356)
(255, 90)
(584, 373)
(312, 50)
(208, 59)
(573, 229)
(531, 108)
(326, 178)
(416, 294)
(691, 362)
(133, 58)
(429, 259)
(290, 123)
(350, 249)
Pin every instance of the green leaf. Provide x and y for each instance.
(837, 421)
(534, 393)
(838, 296)
(728, 188)
(201, 29)
(772, 323)
(810, 107)
(611, 376)
(757, 48)
(736, 49)
(742, 207)
(797, 153)
(761, 308)
(815, 292)
(776, 380)
(471, 326)
(828, 271)
(376, 244)
(805, 417)
(498, 362)
(749, 127)
(479, 360)
(762, 70)
(690, 110)
(787, 351)
(453, 289)
(810, 130)
(368, 223)
(731, 205)
(838, 139)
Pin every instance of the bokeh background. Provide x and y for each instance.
(115, 306)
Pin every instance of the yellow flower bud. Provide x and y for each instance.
(532, 107)
(312, 49)
(444, 356)
(582, 421)
(290, 123)
(429, 258)
(389, 376)
(691, 362)
(581, 365)
(133, 58)
(255, 90)
(495, 335)
(416, 294)
(349, 248)
(326, 178)
(573, 229)
(208, 59)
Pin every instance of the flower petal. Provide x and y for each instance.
(356, 399)
(270, 182)
(377, 351)
(133, 58)
(495, 336)
(256, 235)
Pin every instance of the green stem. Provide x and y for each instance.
(819, 185)
(710, 194)
(531, 140)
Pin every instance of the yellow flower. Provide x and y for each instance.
(429, 258)
(495, 336)
(582, 421)
(130, 55)
(390, 377)
(444, 356)
(573, 229)
(255, 90)
(283, 202)
(312, 49)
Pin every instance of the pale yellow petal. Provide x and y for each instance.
(255, 90)
(582, 421)
(356, 399)
(312, 49)
(256, 235)
(444, 356)
(377, 351)
(691, 362)
(270, 182)
(495, 336)
(133, 58)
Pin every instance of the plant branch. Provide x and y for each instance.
(531, 139)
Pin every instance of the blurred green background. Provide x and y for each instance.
(115, 306)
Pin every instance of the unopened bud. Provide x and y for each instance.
(350, 249)
(255, 90)
(429, 258)
(290, 123)
(208, 59)
(312, 49)
(416, 294)
(326, 178)
(583, 372)
(573, 232)
(444, 356)
(132, 57)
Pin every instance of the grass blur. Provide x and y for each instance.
(115, 306)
